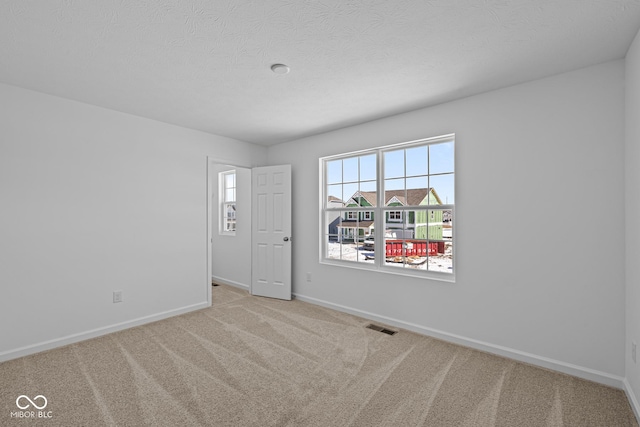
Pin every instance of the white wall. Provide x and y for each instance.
(539, 223)
(231, 254)
(632, 168)
(94, 201)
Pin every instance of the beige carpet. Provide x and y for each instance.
(251, 361)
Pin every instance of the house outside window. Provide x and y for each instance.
(228, 202)
(406, 193)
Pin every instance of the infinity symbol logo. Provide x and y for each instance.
(23, 397)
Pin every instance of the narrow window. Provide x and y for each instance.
(228, 202)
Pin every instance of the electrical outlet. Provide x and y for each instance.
(633, 351)
(308, 277)
(117, 296)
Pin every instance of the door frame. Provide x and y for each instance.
(210, 229)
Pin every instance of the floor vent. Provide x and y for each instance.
(381, 329)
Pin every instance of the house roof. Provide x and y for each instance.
(412, 197)
(335, 199)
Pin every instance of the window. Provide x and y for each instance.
(395, 216)
(228, 202)
(406, 192)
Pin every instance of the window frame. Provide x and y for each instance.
(380, 211)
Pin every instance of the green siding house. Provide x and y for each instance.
(407, 224)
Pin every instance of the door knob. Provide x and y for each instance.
(286, 239)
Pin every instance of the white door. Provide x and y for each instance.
(271, 232)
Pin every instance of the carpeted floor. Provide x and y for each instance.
(250, 361)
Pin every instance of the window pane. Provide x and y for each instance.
(334, 248)
(409, 246)
(394, 164)
(417, 161)
(393, 187)
(368, 167)
(395, 198)
(395, 235)
(418, 183)
(334, 196)
(332, 223)
(447, 224)
(394, 194)
(350, 169)
(444, 187)
(229, 219)
(364, 232)
(441, 158)
(369, 186)
(348, 190)
(394, 184)
(230, 195)
(440, 235)
(367, 250)
(334, 237)
(230, 180)
(334, 172)
(347, 235)
(393, 253)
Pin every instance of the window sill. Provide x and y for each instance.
(395, 271)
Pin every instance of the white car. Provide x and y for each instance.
(369, 243)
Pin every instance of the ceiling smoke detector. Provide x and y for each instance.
(280, 68)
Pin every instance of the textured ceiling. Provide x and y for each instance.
(205, 64)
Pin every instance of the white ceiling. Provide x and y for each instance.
(205, 64)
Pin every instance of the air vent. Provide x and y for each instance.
(381, 329)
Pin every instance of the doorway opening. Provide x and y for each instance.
(249, 228)
(229, 225)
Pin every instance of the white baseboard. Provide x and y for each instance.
(74, 338)
(632, 399)
(233, 283)
(532, 359)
